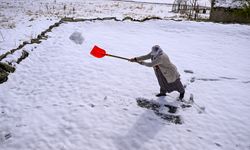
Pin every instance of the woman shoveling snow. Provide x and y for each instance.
(167, 75)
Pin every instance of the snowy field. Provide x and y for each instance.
(21, 20)
(62, 98)
(200, 2)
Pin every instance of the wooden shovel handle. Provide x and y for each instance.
(117, 57)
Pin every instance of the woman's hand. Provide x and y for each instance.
(133, 60)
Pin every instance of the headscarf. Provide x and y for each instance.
(156, 52)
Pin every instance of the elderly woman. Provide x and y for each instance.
(166, 72)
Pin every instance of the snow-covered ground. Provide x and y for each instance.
(62, 98)
(200, 2)
(21, 20)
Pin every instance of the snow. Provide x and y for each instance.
(153, 1)
(77, 37)
(229, 3)
(62, 98)
(23, 18)
(200, 2)
(23, 30)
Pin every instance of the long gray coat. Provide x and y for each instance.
(168, 69)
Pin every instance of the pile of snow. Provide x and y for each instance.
(61, 97)
(76, 37)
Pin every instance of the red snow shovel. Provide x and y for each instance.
(99, 53)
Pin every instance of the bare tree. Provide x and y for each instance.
(193, 11)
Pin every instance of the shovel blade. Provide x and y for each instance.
(98, 52)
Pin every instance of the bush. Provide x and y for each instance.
(245, 12)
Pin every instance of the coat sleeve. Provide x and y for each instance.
(153, 63)
(144, 57)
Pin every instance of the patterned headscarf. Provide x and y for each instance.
(156, 52)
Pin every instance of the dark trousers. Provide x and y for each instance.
(166, 87)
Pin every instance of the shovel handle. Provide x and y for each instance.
(117, 57)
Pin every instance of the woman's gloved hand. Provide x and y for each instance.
(133, 60)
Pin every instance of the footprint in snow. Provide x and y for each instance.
(246, 82)
(92, 105)
(4, 136)
(170, 116)
(188, 71)
(207, 79)
(217, 144)
(228, 78)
